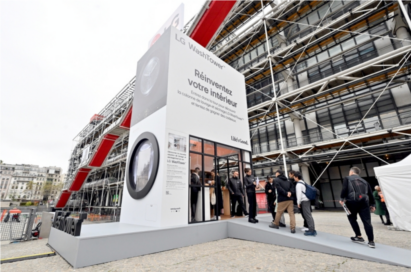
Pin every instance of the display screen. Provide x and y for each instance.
(142, 164)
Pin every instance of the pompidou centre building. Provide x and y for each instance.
(327, 86)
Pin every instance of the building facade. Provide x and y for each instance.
(30, 182)
(328, 88)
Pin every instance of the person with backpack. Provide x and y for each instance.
(304, 203)
(356, 194)
(286, 192)
(291, 179)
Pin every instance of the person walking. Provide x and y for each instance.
(291, 179)
(271, 195)
(356, 194)
(380, 206)
(236, 193)
(304, 204)
(250, 185)
(285, 198)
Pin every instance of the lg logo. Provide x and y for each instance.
(181, 40)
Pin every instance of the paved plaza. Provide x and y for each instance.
(227, 254)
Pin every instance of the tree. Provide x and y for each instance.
(49, 187)
(29, 189)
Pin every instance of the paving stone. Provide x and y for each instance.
(227, 254)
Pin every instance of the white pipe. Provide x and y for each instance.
(404, 11)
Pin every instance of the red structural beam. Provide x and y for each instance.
(127, 120)
(64, 197)
(79, 179)
(103, 149)
(211, 20)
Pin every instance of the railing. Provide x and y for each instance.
(336, 64)
(373, 125)
(12, 229)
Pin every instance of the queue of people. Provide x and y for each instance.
(293, 195)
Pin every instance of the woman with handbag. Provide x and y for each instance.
(216, 197)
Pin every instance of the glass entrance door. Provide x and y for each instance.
(211, 166)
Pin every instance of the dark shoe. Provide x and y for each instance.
(232, 216)
(274, 226)
(283, 225)
(256, 220)
(388, 224)
(293, 231)
(246, 214)
(310, 233)
(371, 244)
(251, 220)
(357, 239)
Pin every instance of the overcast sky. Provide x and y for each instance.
(62, 62)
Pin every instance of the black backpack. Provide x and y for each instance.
(358, 189)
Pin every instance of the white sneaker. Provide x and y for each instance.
(304, 229)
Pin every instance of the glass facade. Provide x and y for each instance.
(211, 165)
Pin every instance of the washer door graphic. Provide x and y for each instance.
(149, 76)
(142, 165)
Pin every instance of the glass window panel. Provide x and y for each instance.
(337, 187)
(322, 11)
(362, 38)
(311, 61)
(225, 151)
(390, 120)
(334, 172)
(240, 61)
(370, 168)
(253, 53)
(313, 17)
(196, 144)
(348, 44)
(327, 195)
(261, 49)
(336, 5)
(209, 147)
(322, 56)
(209, 165)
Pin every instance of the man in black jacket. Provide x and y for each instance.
(357, 195)
(235, 187)
(195, 188)
(286, 192)
(270, 193)
(250, 185)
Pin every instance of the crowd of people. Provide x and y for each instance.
(293, 195)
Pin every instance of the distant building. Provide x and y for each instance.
(6, 174)
(30, 182)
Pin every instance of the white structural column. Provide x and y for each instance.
(287, 74)
(401, 27)
(297, 128)
(305, 172)
(274, 89)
